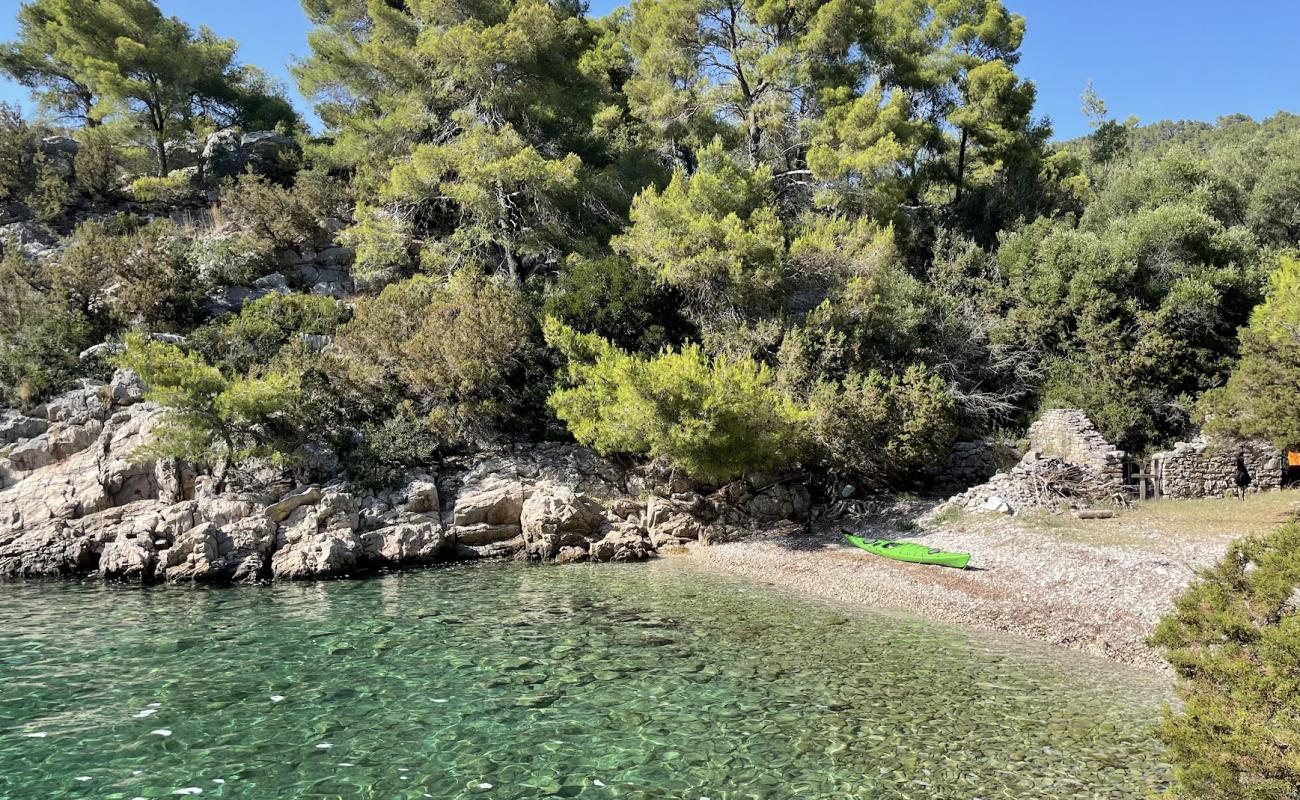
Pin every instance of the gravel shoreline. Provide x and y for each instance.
(1098, 587)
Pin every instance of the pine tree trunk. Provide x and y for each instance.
(961, 165)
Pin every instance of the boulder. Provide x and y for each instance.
(35, 240)
(554, 517)
(623, 543)
(495, 500)
(51, 548)
(670, 523)
(318, 539)
(15, 427)
(268, 153)
(405, 543)
(76, 406)
(60, 155)
(239, 551)
(280, 510)
(126, 388)
(222, 156)
(129, 559)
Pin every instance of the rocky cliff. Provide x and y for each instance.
(76, 500)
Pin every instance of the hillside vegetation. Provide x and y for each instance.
(731, 236)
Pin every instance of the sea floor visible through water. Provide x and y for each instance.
(510, 681)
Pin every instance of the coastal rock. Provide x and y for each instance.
(129, 558)
(405, 543)
(75, 501)
(671, 523)
(554, 517)
(318, 539)
(50, 549)
(15, 427)
(624, 542)
(238, 551)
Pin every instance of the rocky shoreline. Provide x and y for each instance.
(77, 502)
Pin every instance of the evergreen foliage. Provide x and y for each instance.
(1233, 640)
(714, 419)
(1259, 400)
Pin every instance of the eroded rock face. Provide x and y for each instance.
(74, 501)
(318, 539)
(556, 517)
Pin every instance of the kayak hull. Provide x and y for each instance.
(910, 552)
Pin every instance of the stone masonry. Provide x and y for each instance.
(1207, 469)
(1069, 435)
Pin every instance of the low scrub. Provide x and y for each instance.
(1234, 641)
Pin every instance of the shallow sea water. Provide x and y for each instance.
(507, 681)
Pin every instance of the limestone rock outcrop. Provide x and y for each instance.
(76, 499)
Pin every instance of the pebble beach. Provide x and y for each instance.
(1095, 586)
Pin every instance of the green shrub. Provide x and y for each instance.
(52, 194)
(461, 347)
(715, 419)
(266, 325)
(227, 259)
(272, 217)
(1233, 640)
(212, 419)
(616, 301)
(98, 163)
(882, 431)
(389, 448)
(384, 242)
(19, 144)
(175, 188)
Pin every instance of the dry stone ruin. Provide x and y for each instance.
(1069, 464)
(1209, 469)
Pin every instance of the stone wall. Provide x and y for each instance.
(1068, 434)
(1209, 469)
(1069, 464)
(972, 463)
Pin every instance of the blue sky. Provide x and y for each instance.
(1156, 59)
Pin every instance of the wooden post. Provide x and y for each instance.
(1142, 478)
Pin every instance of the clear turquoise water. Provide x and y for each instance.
(574, 682)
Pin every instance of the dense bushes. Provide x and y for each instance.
(714, 419)
(1234, 641)
(844, 266)
(1259, 399)
(460, 350)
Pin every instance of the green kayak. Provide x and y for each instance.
(909, 551)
